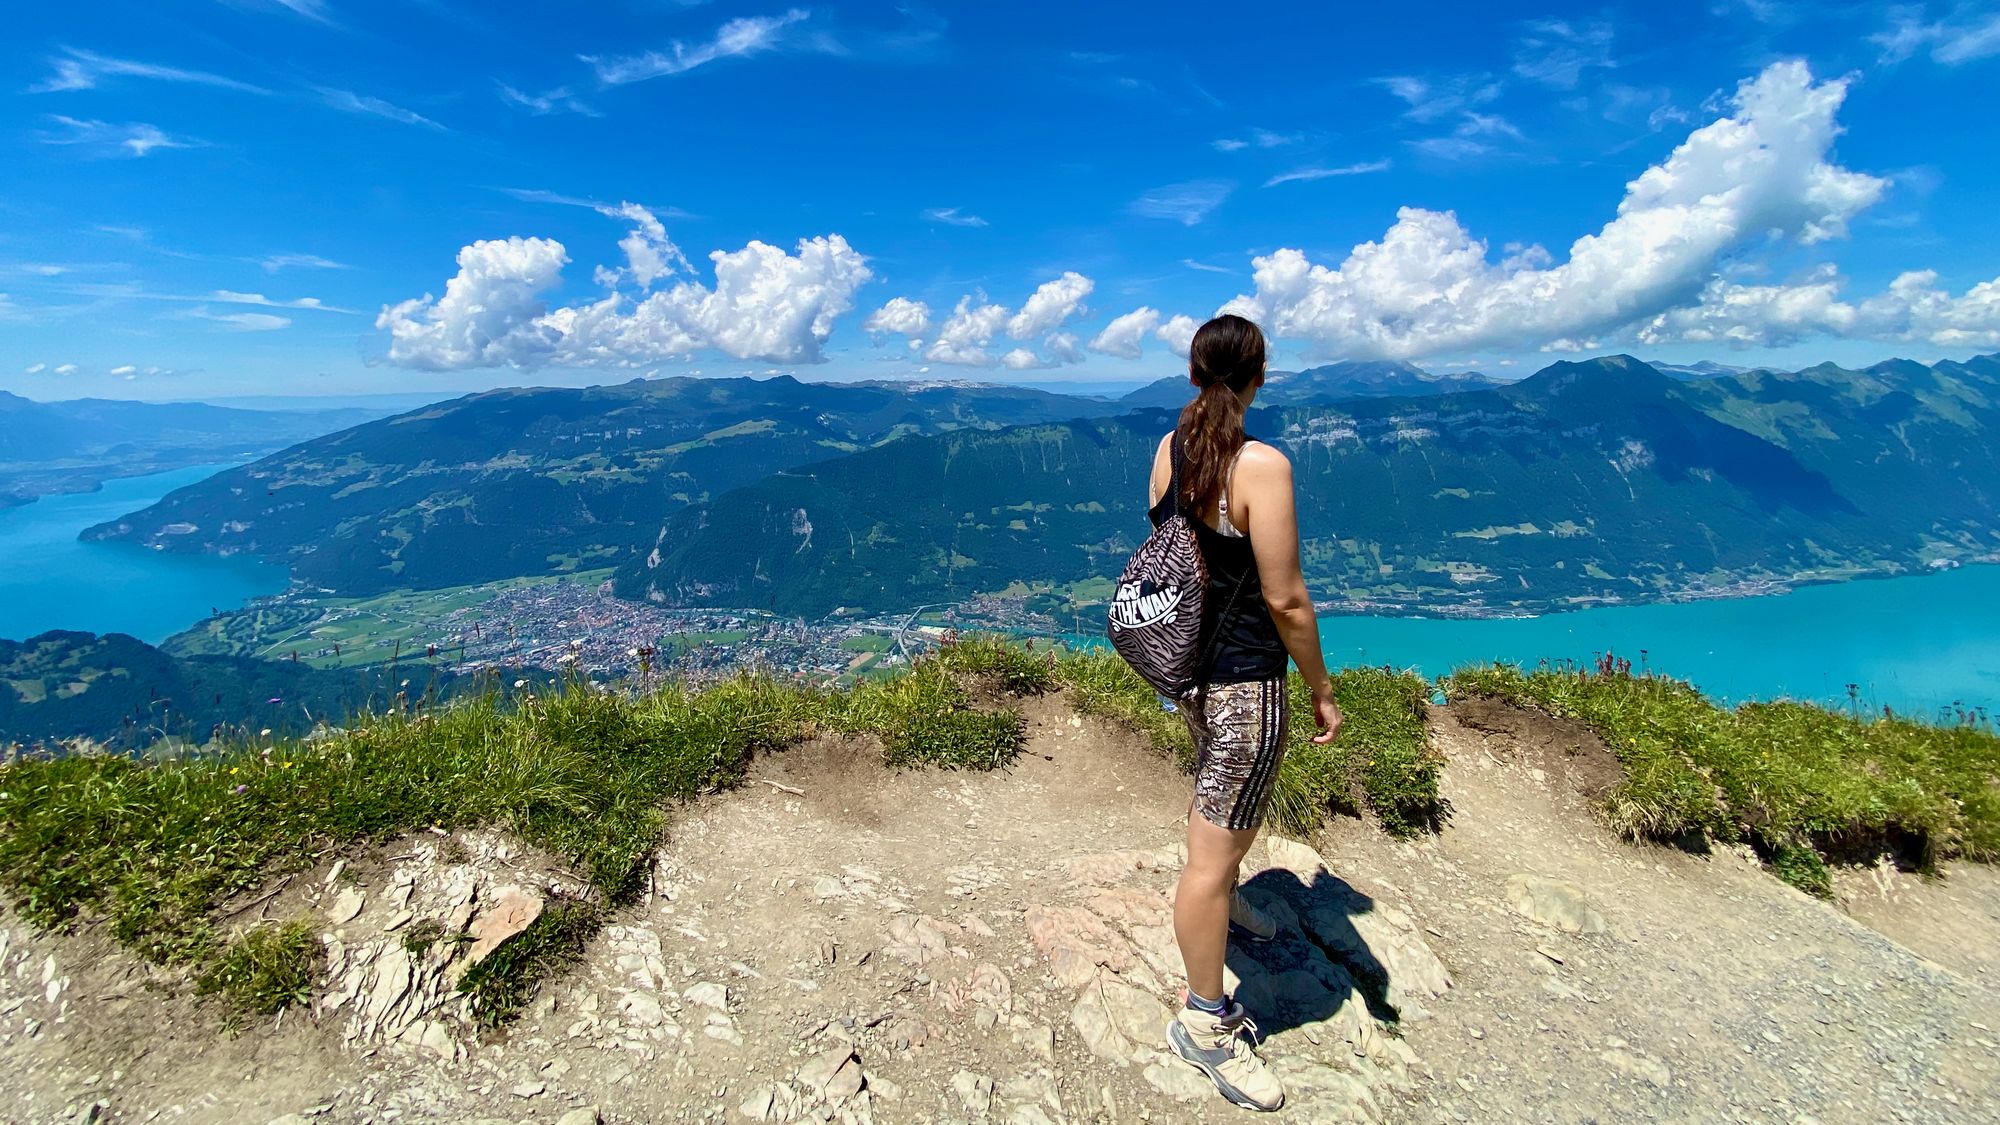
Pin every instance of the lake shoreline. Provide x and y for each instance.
(1738, 591)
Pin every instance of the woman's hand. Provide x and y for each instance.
(1326, 714)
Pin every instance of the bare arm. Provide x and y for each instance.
(1263, 484)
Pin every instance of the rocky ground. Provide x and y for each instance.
(837, 942)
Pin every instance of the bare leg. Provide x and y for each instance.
(1201, 905)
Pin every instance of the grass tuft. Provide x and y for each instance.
(502, 984)
(264, 970)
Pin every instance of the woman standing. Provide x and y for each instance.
(1238, 494)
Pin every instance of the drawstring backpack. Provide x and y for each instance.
(1156, 613)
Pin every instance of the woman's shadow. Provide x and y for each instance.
(1305, 974)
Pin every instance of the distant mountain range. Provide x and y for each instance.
(546, 480)
(72, 446)
(1603, 481)
(1592, 482)
(1334, 382)
(127, 695)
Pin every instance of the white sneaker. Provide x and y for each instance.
(1222, 1048)
(1250, 921)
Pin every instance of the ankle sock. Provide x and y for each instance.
(1212, 1007)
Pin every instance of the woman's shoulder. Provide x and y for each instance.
(1258, 456)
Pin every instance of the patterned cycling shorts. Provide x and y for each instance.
(1239, 740)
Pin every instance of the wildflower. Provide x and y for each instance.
(265, 733)
(520, 683)
(241, 789)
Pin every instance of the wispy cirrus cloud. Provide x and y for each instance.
(1556, 52)
(1476, 135)
(602, 207)
(277, 262)
(130, 139)
(1955, 40)
(86, 70)
(130, 292)
(1260, 138)
(1432, 99)
(1184, 203)
(1298, 175)
(241, 321)
(347, 101)
(315, 10)
(748, 35)
(559, 100)
(953, 216)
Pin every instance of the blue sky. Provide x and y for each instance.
(221, 197)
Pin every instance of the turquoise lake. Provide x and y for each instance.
(51, 580)
(1919, 644)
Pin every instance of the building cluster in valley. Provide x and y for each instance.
(582, 627)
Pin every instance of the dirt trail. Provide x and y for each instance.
(837, 942)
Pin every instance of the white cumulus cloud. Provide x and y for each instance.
(1051, 304)
(1123, 336)
(1178, 334)
(1429, 286)
(900, 316)
(1913, 309)
(964, 335)
(766, 304)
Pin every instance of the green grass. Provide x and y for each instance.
(585, 774)
(264, 970)
(1803, 784)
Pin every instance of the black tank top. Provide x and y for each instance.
(1245, 640)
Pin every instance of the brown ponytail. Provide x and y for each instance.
(1226, 357)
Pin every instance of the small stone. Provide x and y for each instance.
(757, 1107)
(588, 1115)
(643, 1010)
(817, 1073)
(512, 911)
(1649, 1070)
(347, 907)
(707, 994)
(437, 1039)
(529, 1090)
(1553, 902)
(1040, 1038)
(975, 1092)
(846, 1082)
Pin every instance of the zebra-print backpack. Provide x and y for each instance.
(1156, 613)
